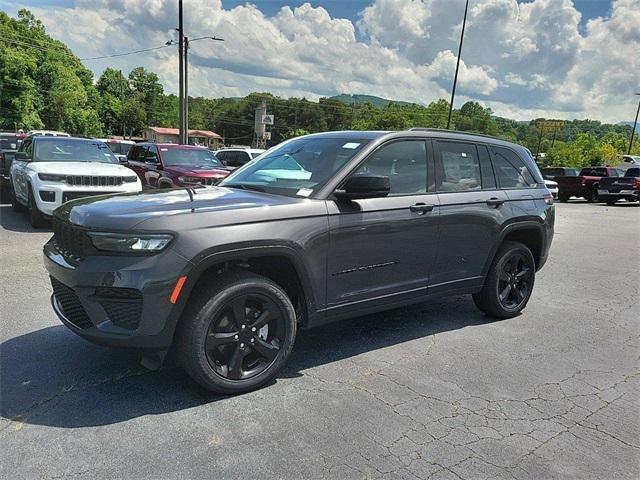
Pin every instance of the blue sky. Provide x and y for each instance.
(338, 8)
(524, 59)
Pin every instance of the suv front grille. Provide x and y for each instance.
(71, 241)
(70, 305)
(94, 181)
(209, 181)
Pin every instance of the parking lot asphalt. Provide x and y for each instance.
(431, 391)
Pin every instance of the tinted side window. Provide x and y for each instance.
(457, 167)
(151, 154)
(136, 153)
(404, 162)
(511, 172)
(27, 147)
(237, 159)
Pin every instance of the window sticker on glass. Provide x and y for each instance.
(164, 149)
(351, 145)
(304, 192)
(463, 154)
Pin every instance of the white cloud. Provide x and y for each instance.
(521, 59)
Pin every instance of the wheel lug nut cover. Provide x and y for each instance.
(253, 329)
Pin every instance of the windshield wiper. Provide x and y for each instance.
(244, 186)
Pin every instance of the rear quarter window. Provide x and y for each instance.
(510, 170)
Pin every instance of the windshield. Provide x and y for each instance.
(61, 149)
(9, 143)
(298, 166)
(190, 157)
(119, 147)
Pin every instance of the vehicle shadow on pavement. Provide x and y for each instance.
(17, 221)
(51, 377)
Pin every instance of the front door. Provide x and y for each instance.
(385, 248)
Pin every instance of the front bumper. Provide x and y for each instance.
(620, 194)
(117, 300)
(61, 193)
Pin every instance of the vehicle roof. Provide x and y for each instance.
(241, 149)
(420, 133)
(115, 140)
(51, 138)
(175, 145)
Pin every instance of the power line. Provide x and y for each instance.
(113, 55)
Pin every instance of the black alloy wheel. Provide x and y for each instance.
(515, 281)
(509, 282)
(236, 332)
(244, 338)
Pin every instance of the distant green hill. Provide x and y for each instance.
(361, 99)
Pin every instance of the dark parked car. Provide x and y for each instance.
(234, 158)
(551, 173)
(9, 144)
(585, 184)
(612, 189)
(363, 222)
(166, 165)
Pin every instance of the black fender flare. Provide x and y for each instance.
(220, 254)
(538, 225)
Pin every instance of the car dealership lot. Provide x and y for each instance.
(434, 390)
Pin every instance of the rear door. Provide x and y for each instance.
(384, 248)
(472, 211)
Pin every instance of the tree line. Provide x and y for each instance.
(44, 85)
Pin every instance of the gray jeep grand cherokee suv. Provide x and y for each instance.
(317, 229)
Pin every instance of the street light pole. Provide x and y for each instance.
(455, 78)
(633, 130)
(181, 73)
(185, 106)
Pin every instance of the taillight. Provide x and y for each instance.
(548, 199)
(636, 183)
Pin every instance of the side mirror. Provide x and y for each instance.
(122, 159)
(151, 161)
(22, 156)
(364, 186)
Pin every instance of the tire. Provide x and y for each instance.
(563, 197)
(592, 196)
(490, 299)
(36, 217)
(611, 203)
(15, 203)
(212, 338)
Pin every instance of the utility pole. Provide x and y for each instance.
(181, 135)
(455, 77)
(122, 105)
(260, 127)
(186, 90)
(633, 130)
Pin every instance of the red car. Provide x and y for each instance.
(166, 165)
(585, 184)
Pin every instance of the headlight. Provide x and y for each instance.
(124, 243)
(130, 179)
(190, 179)
(51, 177)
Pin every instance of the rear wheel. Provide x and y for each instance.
(563, 197)
(237, 334)
(611, 202)
(592, 195)
(509, 283)
(36, 217)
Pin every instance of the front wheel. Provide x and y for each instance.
(509, 283)
(592, 196)
(563, 197)
(237, 333)
(15, 203)
(36, 217)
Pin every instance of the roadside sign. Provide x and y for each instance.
(267, 119)
(550, 124)
(267, 135)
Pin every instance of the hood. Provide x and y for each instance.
(176, 209)
(199, 172)
(81, 168)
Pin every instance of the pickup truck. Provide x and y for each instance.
(628, 187)
(585, 184)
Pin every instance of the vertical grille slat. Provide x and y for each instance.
(94, 181)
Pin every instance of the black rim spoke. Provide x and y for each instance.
(505, 293)
(214, 340)
(240, 311)
(244, 337)
(265, 349)
(235, 363)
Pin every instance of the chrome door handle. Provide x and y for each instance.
(421, 208)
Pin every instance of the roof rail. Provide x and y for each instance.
(444, 130)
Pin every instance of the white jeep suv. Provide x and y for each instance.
(49, 170)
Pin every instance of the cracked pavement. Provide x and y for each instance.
(433, 391)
